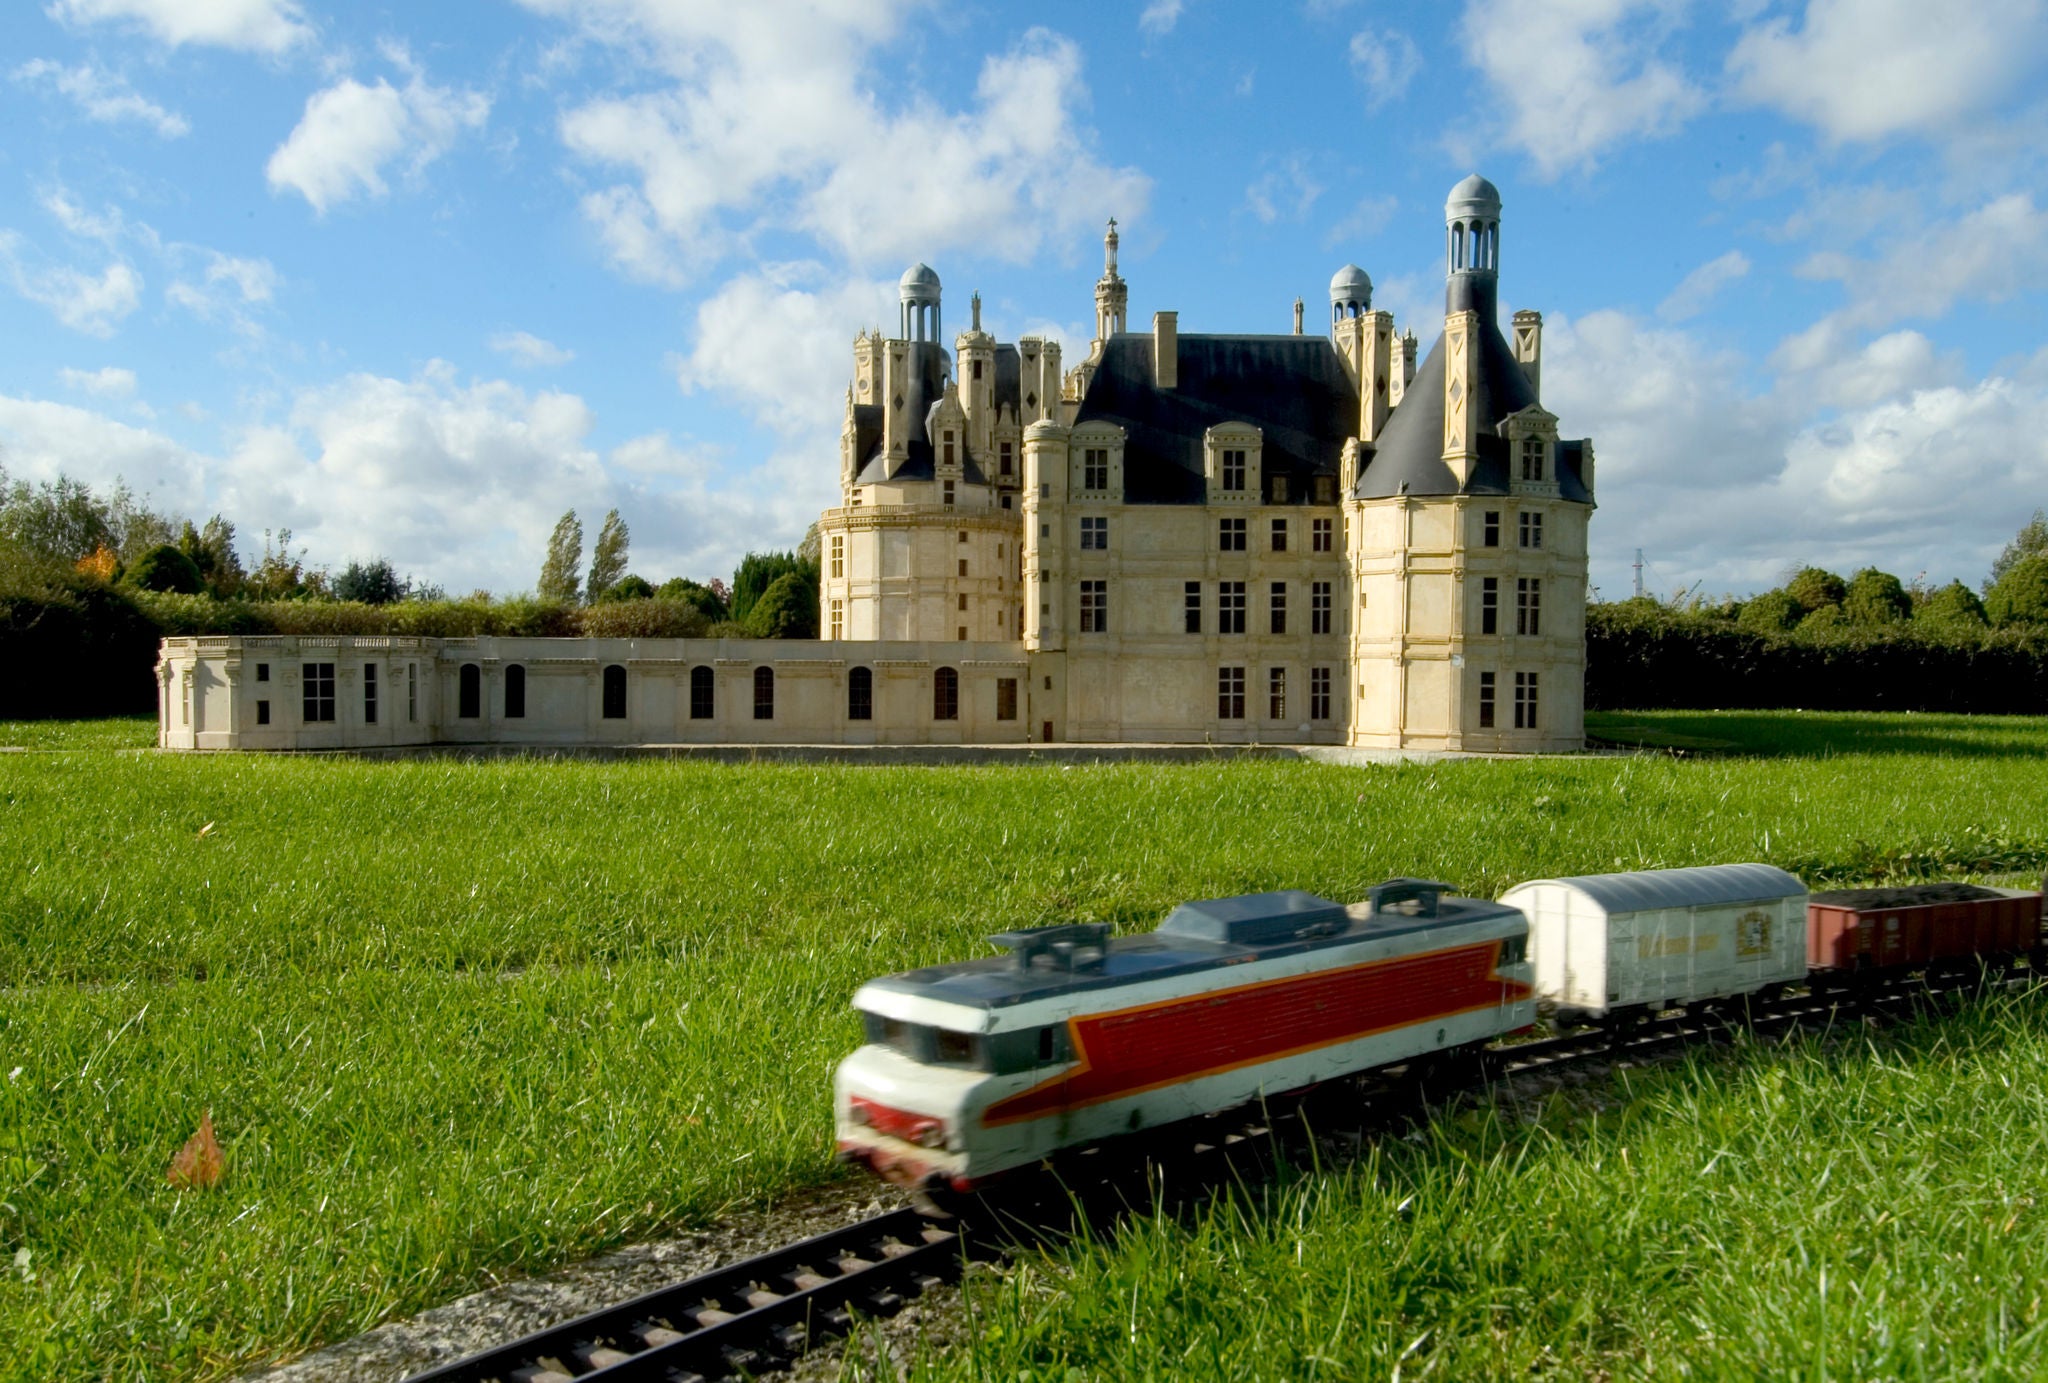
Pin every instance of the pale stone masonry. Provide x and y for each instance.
(1182, 538)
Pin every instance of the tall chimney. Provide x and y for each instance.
(1166, 349)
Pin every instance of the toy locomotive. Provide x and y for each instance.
(974, 1069)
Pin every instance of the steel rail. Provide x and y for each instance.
(757, 1315)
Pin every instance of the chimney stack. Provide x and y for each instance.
(1166, 349)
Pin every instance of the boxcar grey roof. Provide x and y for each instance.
(1294, 389)
(995, 982)
(1708, 885)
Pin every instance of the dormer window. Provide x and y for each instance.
(1095, 468)
(949, 448)
(1278, 485)
(1003, 451)
(1533, 449)
(1233, 471)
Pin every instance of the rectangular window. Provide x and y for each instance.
(1318, 693)
(977, 369)
(962, 635)
(1230, 535)
(1486, 701)
(1276, 693)
(1279, 535)
(1319, 535)
(949, 449)
(1095, 535)
(369, 693)
(1532, 530)
(1525, 701)
(1230, 607)
(949, 492)
(838, 556)
(963, 566)
(1095, 469)
(1532, 458)
(263, 713)
(963, 602)
(412, 691)
(1326, 489)
(1278, 607)
(838, 619)
(1319, 607)
(1094, 607)
(1491, 534)
(1230, 693)
(1489, 605)
(1006, 698)
(263, 672)
(1003, 454)
(317, 693)
(962, 536)
(1233, 471)
(1528, 605)
(1276, 486)
(1192, 607)
(701, 685)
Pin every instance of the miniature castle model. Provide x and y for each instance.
(1206, 538)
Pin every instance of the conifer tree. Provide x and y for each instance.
(608, 558)
(559, 574)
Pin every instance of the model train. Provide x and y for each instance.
(974, 1069)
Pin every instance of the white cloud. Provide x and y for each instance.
(226, 289)
(88, 303)
(1368, 218)
(1825, 367)
(1160, 16)
(1866, 69)
(1992, 254)
(1576, 76)
(109, 382)
(42, 440)
(1386, 62)
(779, 116)
(103, 96)
(1698, 288)
(254, 26)
(1286, 191)
(524, 348)
(350, 133)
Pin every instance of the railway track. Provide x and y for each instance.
(758, 1315)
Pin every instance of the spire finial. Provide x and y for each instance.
(977, 310)
(1109, 243)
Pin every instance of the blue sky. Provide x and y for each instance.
(410, 280)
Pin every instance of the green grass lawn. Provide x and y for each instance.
(462, 1020)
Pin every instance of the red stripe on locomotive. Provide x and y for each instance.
(1130, 1051)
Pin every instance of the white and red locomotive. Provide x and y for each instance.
(973, 1069)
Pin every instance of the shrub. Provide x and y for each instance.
(1876, 597)
(788, 609)
(1954, 603)
(165, 568)
(643, 619)
(628, 588)
(688, 592)
(92, 651)
(371, 583)
(1814, 588)
(1773, 612)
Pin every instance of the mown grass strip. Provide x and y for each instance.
(454, 1020)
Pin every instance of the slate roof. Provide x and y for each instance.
(1293, 388)
(927, 388)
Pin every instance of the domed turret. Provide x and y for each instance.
(919, 291)
(1350, 293)
(1472, 246)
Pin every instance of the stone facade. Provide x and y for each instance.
(1183, 538)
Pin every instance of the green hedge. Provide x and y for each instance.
(1645, 657)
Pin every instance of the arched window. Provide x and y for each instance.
(945, 694)
(614, 692)
(860, 694)
(764, 693)
(469, 692)
(515, 692)
(1458, 245)
(700, 693)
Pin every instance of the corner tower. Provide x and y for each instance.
(1466, 539)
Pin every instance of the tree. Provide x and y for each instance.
(608, 558)
(705, 599)
(372, 583)
(788, 609)
(1954, 603)
(559, 572)
(626, 588)
(1773, 612)
(760, 570)
(165, 568)
(812, 547)
(2021, 595)
(1876, 597)
(212, 550)
(59, 520)
(280, 575)
(2030, 541)
(1814, 588)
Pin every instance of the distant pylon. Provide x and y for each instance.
(1639, 572)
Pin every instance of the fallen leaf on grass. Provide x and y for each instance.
(198, 1165)
(206, 830)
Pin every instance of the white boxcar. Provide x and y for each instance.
(1656, 937)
